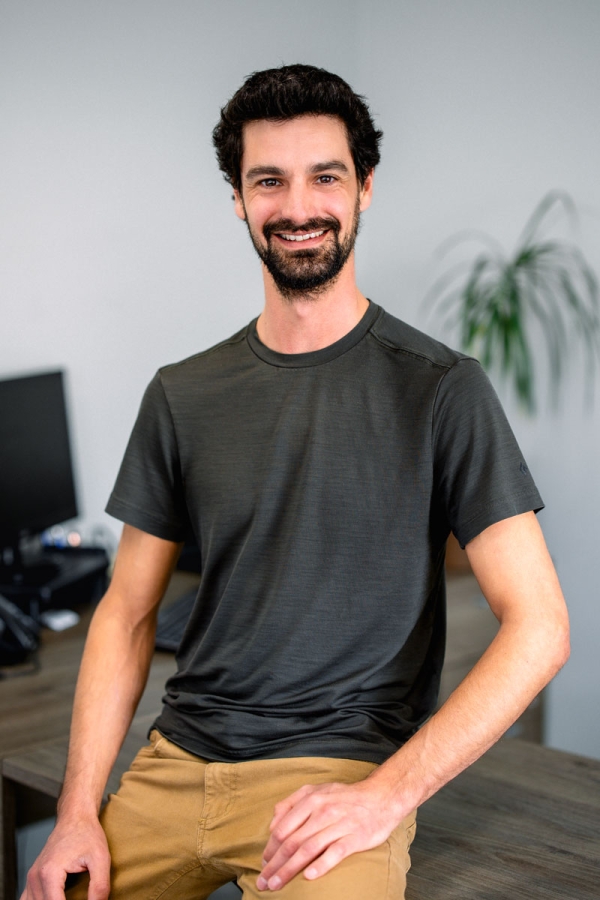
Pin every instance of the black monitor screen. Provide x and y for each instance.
(36, 478)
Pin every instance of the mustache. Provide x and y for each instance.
(290, 227)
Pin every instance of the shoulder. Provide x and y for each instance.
(431, 366)
(206, 362)
(207, 357)
(402, 338)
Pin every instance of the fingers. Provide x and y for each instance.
(290, 814)
(45, 883)
(316, 853)
(317, 827)
(99, 888)
(285, 806)
(333, 855)
(61, 855)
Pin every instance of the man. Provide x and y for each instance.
(321, 456)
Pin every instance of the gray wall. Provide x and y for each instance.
(120, 250)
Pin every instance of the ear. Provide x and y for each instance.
(239, 205)
(366, 192)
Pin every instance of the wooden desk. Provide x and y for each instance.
(522, 823)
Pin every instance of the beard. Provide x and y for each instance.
(306, 273)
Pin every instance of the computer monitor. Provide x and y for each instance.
(36, 477)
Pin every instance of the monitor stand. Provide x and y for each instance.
(25, 571)
(52, 578)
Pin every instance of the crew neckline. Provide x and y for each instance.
(313, 357)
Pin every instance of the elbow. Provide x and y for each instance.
(559, 644)
(564, 648)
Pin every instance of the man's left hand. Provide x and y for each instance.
(318, 826)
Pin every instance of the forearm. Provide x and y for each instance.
(317, 826)
(521, 660)
(323, 824)
(516, 575)
(113, 672)
(112, 677)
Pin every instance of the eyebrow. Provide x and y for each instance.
(264, 171)
(269, 171)
(336, 164)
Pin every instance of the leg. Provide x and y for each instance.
(378, 874)
(179, 827)
(239, 806)
(151, 824)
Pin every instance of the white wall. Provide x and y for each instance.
(120, 250)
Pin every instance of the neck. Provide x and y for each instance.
(306, 323)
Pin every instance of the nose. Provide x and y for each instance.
(298, 203)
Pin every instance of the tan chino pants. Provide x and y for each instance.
(180, 827)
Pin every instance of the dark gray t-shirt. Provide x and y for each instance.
(321, 488)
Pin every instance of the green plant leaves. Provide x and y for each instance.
(494, 304)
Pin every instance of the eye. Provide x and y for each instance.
(326, 179)
(269, 182)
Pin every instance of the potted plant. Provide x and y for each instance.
(495, 298)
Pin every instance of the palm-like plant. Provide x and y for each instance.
(494, 303)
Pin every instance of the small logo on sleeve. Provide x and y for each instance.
(524, 469)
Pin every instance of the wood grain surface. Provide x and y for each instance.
(522, 822)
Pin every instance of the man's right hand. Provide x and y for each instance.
(114, 669)
(74, 846)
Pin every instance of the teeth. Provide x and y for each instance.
(301, 237)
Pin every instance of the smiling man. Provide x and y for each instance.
(274, 194)
(321, 456)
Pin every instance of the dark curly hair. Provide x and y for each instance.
(288, 92)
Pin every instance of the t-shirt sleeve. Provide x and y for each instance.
(148, 492)
(481, 476)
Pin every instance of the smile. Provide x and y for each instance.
(301, 237)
